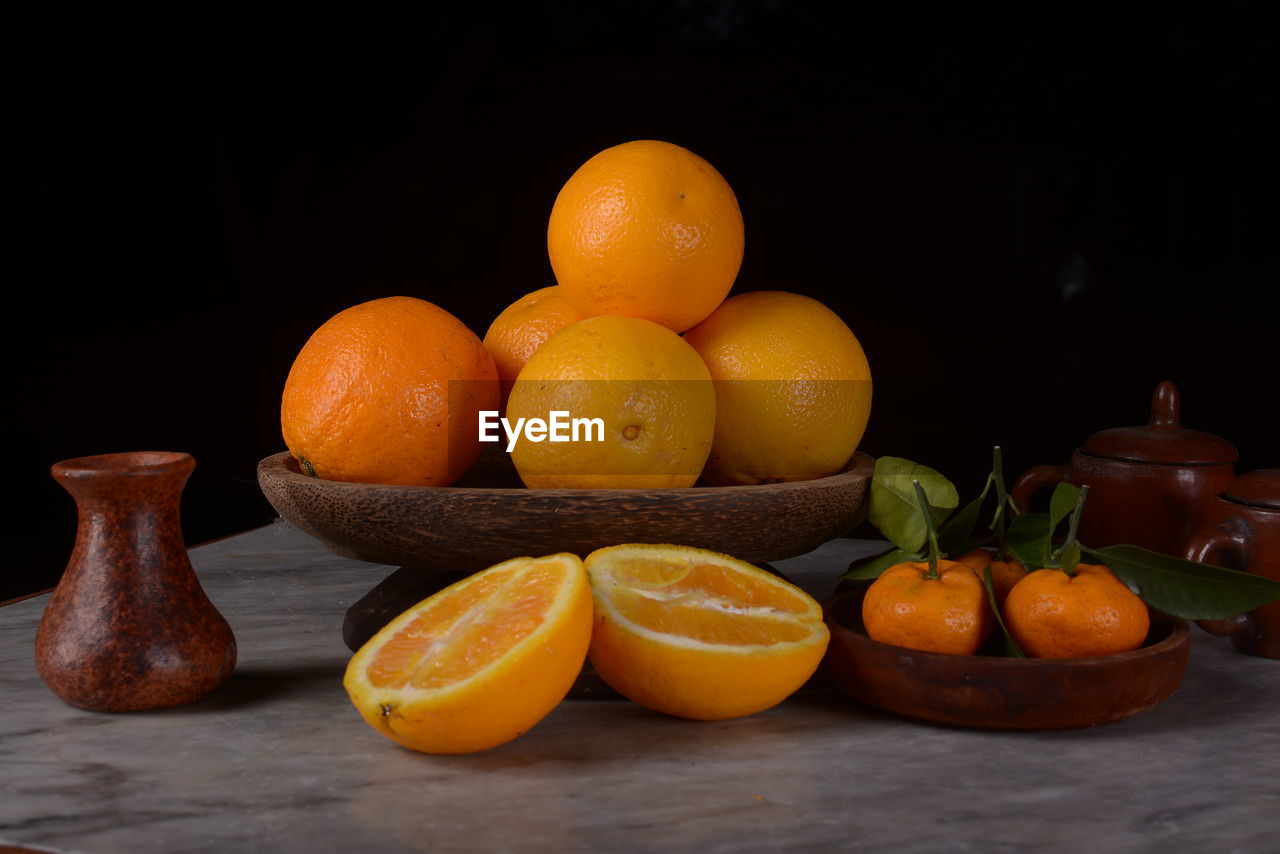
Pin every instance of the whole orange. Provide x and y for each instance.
(793, 388)
(1054, 615)
(523, 327)
(946, 612)
(646, 229)
(649, 390)
(388, 391)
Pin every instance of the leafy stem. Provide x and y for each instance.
(1067, 556)
(999, 522)
(923, 501)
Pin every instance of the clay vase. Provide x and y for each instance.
(129, 627)
(1243, 532)
(1149, 486)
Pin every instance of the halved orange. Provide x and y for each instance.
(699, 634)
(480, 662)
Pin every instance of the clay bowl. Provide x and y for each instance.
(489, 516)
(990, 692)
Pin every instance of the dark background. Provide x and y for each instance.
(1028, 222)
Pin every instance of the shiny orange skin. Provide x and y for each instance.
(1054, 615)
(1004, 574)
(523, 327)
(945, 614)
(646, 229)
(793, 388)
(388, 392)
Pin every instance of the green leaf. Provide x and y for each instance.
(1031, 540)
(1070, 558)
(1065, 497)
(1011, 648)
(956, 536)
(893, 509)
(871, 567)
(1184, 588)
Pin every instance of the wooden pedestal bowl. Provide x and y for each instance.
(990, 692)
(439, 534)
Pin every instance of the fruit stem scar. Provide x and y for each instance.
(307, 468)
(630, 432)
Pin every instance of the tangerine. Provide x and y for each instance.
(1004, 573)
(1051, 614)
(940, 611)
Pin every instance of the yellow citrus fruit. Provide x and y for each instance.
(649, 390)
(793, 388)
(388, 391)
(698, 634)
(480, 662)
(523, 327)
(646, 229)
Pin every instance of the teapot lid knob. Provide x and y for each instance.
(1166, 406)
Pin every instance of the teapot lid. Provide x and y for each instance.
(1163, 439)
(1259, 488)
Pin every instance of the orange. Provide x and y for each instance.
(793, 388)
(523, 327)
(388, 391)
(945, 613)
(480, 662)
(1054, 615)
(697, 634)
(646, 229)
(1004, 573)
(648, 388)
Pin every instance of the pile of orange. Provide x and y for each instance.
(645, 240)
(1049, 613)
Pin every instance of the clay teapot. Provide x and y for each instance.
(1149, 486)
(1243, 532)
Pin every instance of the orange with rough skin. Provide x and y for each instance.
(646, 229)
(793, 388)
(698, 634)
(1054, 615)
(523, 327)
(1004, 573)
(948, 613)
(388, 391)
(649, 389)
(480, 662)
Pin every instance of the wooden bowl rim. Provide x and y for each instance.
(1179, 635)
(859, 468)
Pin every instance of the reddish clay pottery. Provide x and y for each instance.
(129, 628)
(1149, 486)
(1243, 532)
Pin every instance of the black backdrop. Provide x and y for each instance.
(1028, 222)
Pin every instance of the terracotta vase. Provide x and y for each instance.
(129, 627)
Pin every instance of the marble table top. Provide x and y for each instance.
(277, 760)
